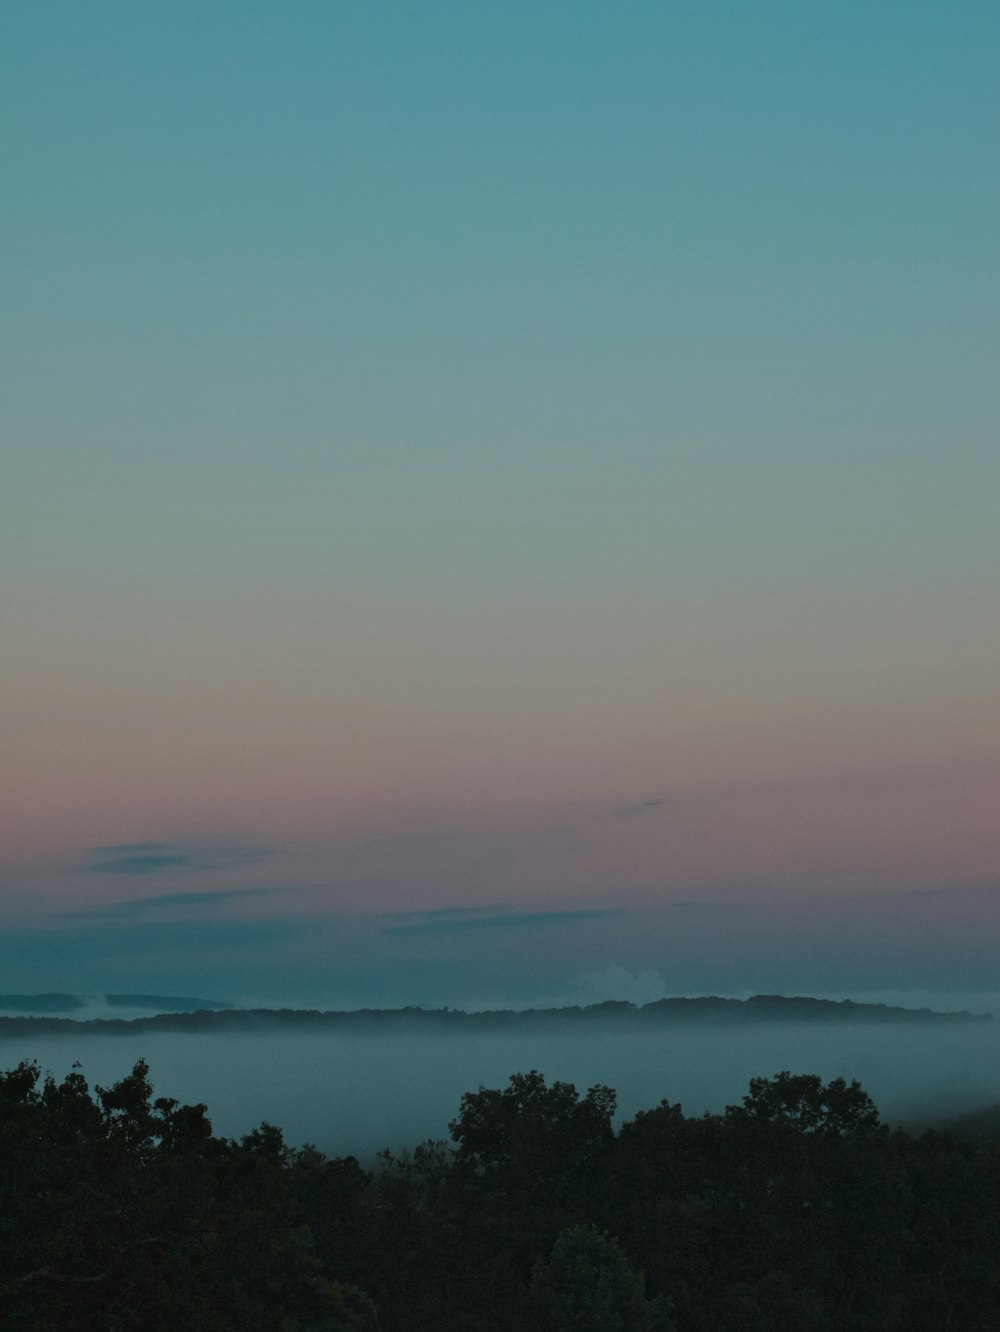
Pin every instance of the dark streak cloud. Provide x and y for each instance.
(150, 862)
(132, 848)
(139, 859)
(638, 807)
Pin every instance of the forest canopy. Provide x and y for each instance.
(796, 1208)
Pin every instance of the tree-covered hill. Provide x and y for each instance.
(706, 1011)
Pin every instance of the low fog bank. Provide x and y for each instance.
(357, 1095)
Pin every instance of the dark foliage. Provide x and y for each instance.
(795, 1211)
(122, 1213)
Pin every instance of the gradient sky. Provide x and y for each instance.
(499, 501)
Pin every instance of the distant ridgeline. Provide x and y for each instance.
(202, 1015)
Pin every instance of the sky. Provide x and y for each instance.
(499, 503)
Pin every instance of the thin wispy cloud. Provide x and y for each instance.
(454, 913)
(185, 901)
(872, 781)
(859, 898)
(503, 920)
(630, 811)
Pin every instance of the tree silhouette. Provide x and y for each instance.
(588, 1286)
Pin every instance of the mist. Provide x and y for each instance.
(356, 1095)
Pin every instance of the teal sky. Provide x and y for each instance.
(537, 462)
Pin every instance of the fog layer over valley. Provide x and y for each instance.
(359, 1094)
